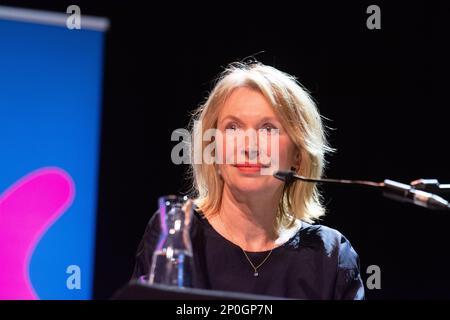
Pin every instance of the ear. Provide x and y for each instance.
(297, 158)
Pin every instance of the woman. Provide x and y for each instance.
(251, 232)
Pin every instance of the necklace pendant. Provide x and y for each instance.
(256, 273)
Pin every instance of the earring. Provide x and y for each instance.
(294, 169)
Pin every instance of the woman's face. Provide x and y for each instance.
(249, 126)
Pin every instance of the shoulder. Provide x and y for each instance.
(334, 249)
(151, 234)
(317, 235)
(327, 240)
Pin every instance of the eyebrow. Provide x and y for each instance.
(231, 117)
(265, 119)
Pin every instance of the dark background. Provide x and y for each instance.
(383, 91)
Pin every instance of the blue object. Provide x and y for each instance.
(50, 108)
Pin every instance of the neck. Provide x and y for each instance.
(250, 220)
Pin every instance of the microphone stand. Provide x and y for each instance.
(416, 193)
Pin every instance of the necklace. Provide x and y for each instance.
(255, 268)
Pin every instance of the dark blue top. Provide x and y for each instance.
(316, 263)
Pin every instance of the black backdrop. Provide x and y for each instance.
(383, 91)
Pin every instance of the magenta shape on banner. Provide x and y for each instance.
(27, 211)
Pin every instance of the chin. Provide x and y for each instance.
(254, 184)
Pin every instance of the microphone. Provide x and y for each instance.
(430, 185)
(391, 189)
(405, 193)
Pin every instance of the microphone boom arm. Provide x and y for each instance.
(391, 189)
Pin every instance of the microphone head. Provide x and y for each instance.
(286, 176)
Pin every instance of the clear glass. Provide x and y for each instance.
(172, 262)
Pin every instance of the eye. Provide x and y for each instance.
(268, 127)
(231, 126)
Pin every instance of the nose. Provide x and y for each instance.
(251, 147)
(252, 154)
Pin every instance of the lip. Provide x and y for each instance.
(250, 168)
(249, 165)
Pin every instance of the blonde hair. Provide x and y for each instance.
(300, 118)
